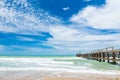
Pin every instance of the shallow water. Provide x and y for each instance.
(56, 63)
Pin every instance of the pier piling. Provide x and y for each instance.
(102, 55)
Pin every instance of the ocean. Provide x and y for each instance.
(57, 63)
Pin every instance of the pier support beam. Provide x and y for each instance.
(119, 55)
(99, 57)
(108, 57)
(93, 56)
(103, 57)
(113, 55)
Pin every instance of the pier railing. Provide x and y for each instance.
(108, 54)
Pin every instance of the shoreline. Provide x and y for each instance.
(56, 68)
(101, 72)
(54, 75)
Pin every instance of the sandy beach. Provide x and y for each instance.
(54, 75)
(56, 68)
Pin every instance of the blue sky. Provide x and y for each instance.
(52, 27)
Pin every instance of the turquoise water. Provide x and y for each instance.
(51, 56)
(61, 63)
(93, 64)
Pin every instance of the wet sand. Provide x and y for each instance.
(86, 76)
(55, 75)
(81, 79)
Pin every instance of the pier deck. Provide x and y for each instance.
(108, 54)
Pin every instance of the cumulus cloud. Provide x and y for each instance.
(104, 17)
(68, 38)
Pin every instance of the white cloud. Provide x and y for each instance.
(104, 17)
(66, 8)
(15, 21)
(68, 38)
(25, 39)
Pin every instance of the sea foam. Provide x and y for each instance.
(70, 64)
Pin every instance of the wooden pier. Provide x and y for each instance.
(108, 54)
